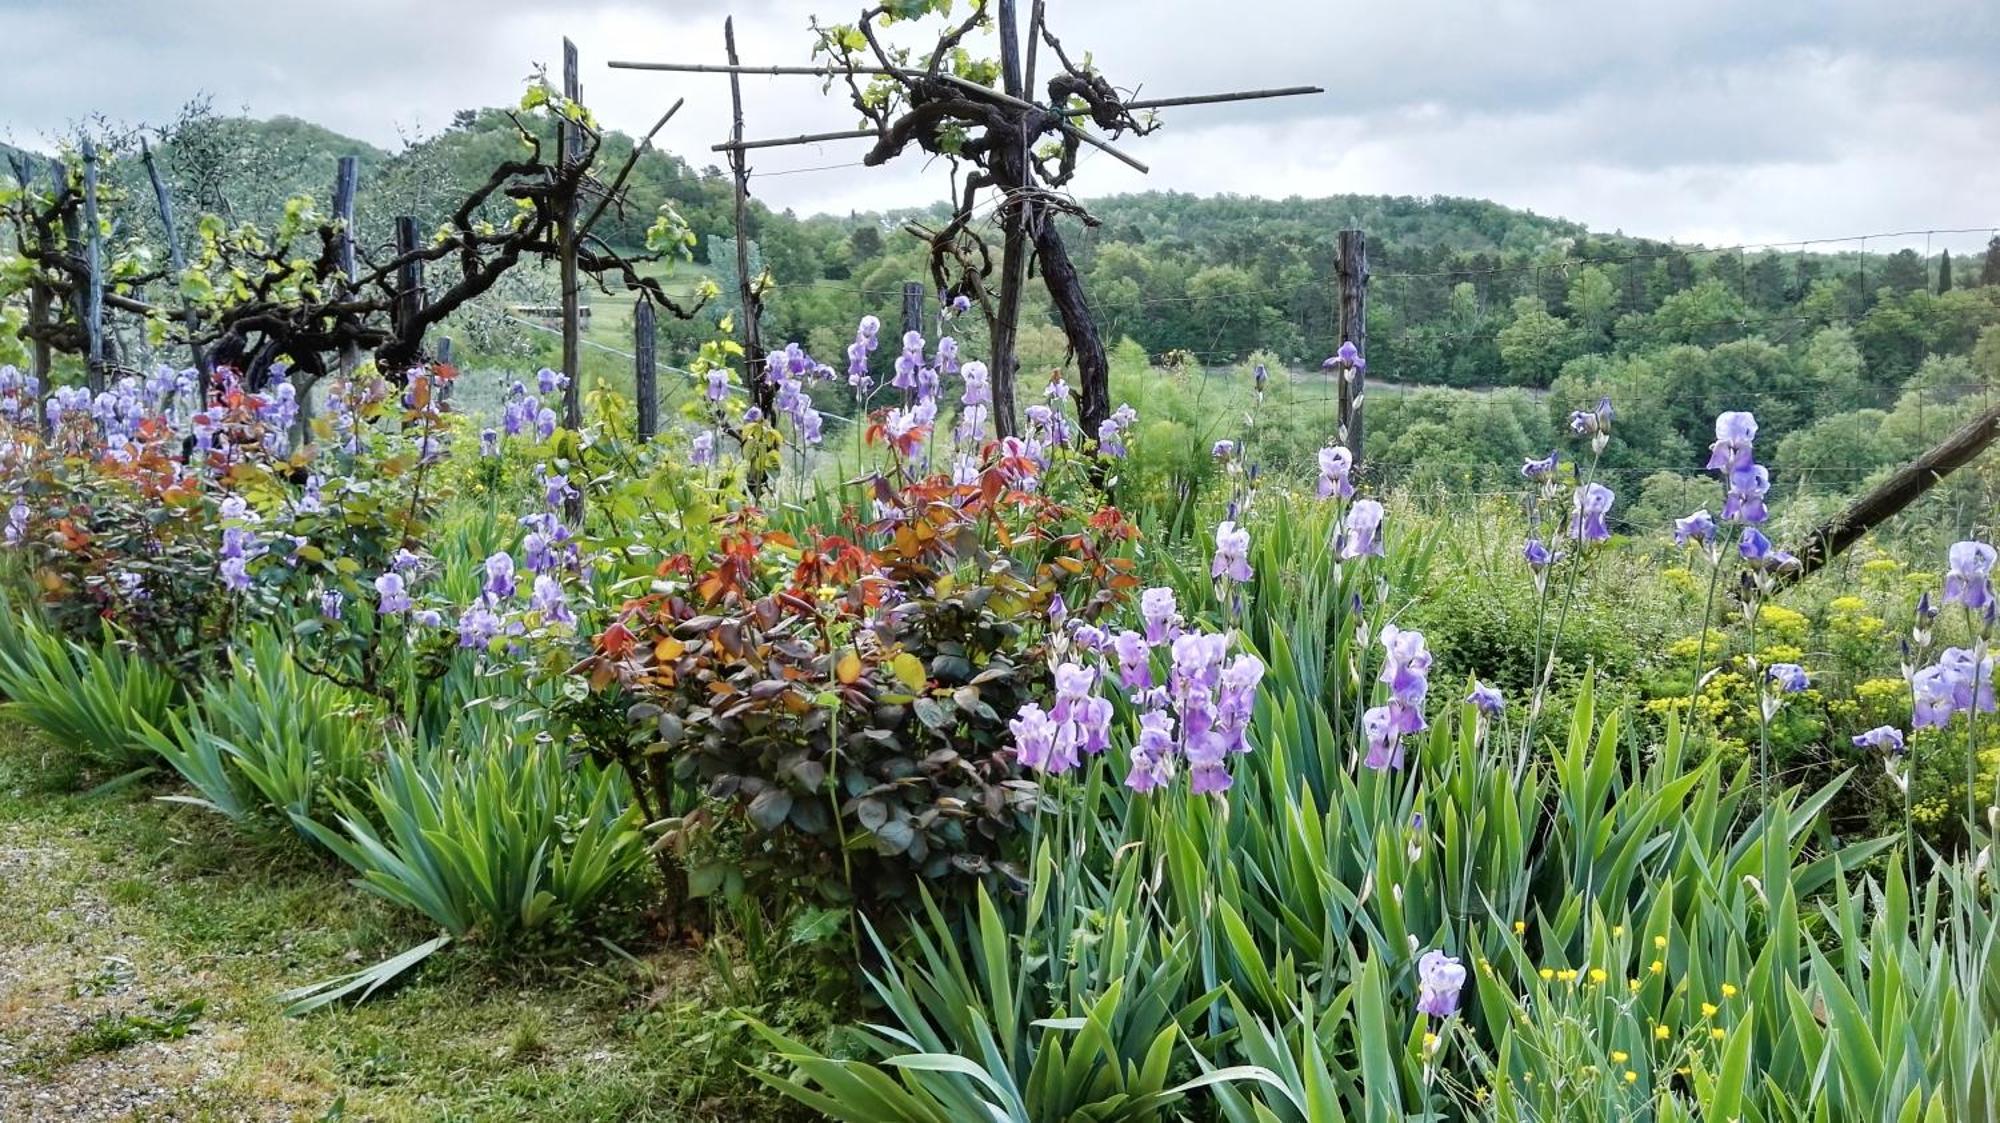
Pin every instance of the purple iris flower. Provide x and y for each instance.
(1223, 449)
(1883, 738)
(1735, 432)
(1698, 527)
(1236, 699)
(978, 385)
(545, 423)
(1385, 744)
(1931, 693)
(1586, 523)
(537, 553)
(556, 489)
(550, 381)
(1363, 530)
(1487, 698)
(1439, 980)
(1789, 678)
(1542, 469)
(1034, 737)
(1336, 466)
(1347, 358)
(1971, 679)
(1753, 546)
(1161, 615)
(1745, 500)
(500, 576)
(489, 442)
(1108, 441)
(1406, 664)
(1089, 637)
(1197, 665)
(1208, 779)
(1968, 578)
(702, 451)
(1152, 752)
(718, 384)
(549, 600)
(330, 603)
(392, 597)
(1232, 553)
(1537, 555)
(478, 625)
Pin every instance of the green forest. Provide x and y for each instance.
(1487, 325)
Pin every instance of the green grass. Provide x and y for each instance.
(145, 942)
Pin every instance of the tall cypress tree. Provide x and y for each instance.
(1989, 274)
(1944, 273)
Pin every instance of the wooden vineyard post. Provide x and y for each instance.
(762, 390)
(178, 261)
(409, 276)
(41, 304)
(1005, 127)
(645, 371)
(913, 307)
(346, 180)
(1353, 277)
(570, 147)
(93, 306)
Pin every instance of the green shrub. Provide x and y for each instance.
(271, 738)
(97, 700)
(489, 839)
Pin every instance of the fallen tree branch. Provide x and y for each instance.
(1888, 498)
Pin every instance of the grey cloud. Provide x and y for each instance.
(1781, 118)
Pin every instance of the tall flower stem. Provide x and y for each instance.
(1972, 736)
(1548, 668)
(1909, 823)
(1701, 641)
(1757, 672)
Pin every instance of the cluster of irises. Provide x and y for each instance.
(524, 413)
(1196, 715)
(1745, 484)
(1960, 679)
(107, 422)
(547, 553)
(1589, 502)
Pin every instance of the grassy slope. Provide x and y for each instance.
(121, 910)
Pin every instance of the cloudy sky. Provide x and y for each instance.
(1722, 122)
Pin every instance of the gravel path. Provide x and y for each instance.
(95, 1024)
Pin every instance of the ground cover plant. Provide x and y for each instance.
(1242, 824)
(840, 750)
